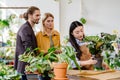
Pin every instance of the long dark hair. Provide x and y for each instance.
(72, 39)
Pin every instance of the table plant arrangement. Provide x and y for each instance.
(104, 45)
(42, 63)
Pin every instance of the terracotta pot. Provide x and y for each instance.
(36, 72)
(60, 70)
(28, 72)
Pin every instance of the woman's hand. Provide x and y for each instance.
(105, 66)
(88, 62)
(91, 61)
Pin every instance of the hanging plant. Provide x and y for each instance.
(83, 20)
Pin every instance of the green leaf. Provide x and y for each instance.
(83, 20)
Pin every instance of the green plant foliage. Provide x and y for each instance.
(100, 43)
(112, 60)
(7, 53)
(43, 62)
(40, 63)
(71, 54)
(8, 73)
(83, 20)
(3, 24)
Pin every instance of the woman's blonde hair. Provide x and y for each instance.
(45, 16)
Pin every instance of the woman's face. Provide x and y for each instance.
(78, 33)
(49, 23)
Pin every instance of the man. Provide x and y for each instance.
(26, 38)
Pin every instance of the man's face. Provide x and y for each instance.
(35, 17)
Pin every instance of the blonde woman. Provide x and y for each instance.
(48, 37)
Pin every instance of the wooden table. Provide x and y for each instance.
(96, 75)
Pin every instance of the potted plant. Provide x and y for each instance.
(42, 64)
(60, 70)
(39, 65)
(98, 44)
(64, 62)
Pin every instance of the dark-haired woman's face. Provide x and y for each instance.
(78, 33)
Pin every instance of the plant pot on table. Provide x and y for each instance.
(33, 76)
(99, 59)
(60, 70)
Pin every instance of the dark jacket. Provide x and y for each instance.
(25, 39)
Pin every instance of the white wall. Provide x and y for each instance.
(101, 15)
(68, 13)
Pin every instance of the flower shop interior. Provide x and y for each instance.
(100, 19)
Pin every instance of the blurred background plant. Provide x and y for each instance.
(4, 23)
(7, 31)
(113, 59)
(7, 39)
(116, 43)
(7, 55)
(65, 40)
(8, 73)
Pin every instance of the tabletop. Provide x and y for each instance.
(93, 75)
